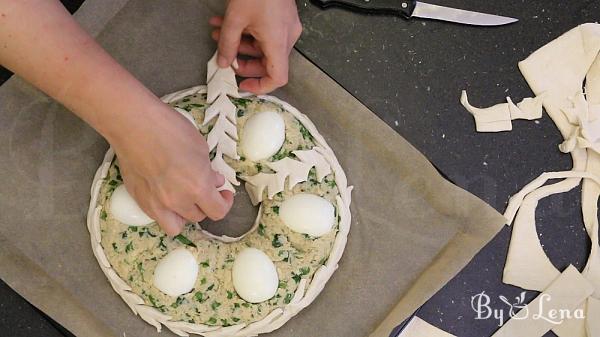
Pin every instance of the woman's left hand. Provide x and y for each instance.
(265, 30)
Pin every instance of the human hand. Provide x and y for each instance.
(265, 30)
(163, 159)
(165, 165)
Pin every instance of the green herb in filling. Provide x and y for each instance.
(241, 102)
(140, 268)
(288, 298)
(280, 155)
(153, 301)
(177, 302)
(181, 238)
(305, 133)
(199, 296)
(308, 237)
(161, 243)
(303, 271)
(129, 247)
(276, 242)
(146, 231)
(261, 229)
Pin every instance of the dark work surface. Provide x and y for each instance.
(410, 74)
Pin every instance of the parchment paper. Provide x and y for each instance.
(411, 230)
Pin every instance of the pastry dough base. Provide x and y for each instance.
(306, 291)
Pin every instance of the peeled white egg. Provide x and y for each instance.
(254, 276)
(124, 208)
(308, 214)
(176, 273)
(262, 135)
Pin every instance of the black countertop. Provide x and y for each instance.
(410, 73)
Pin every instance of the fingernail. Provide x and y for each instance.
(222, 61)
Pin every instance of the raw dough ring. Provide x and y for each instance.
(307, 289)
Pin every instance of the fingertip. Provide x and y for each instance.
(171, 223)
(248, 85)
(228, 197)
(219, 179)
(253, 85)
(216, 21)
(223, 62)
(215, 34)
(251, 68)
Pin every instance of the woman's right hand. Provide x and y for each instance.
(165, 165)
(163, 158)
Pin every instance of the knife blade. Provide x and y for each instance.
(412, 8)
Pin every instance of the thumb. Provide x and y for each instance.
(229, 41)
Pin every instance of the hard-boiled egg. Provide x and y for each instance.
(124, 208)
(254, 276)
(308, 214)
(262, 135)
(176, 273)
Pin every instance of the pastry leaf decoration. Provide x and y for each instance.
(223, 136)
(294, 171)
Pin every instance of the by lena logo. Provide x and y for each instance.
(518, 309)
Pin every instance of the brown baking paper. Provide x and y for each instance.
(411, 230)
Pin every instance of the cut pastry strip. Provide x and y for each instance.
(593, 313)
(572, 326)
(529, 108)
(419, 328)
(566, 293)
(535, 272)
(492, 119)
(559, 68)
(222, 105)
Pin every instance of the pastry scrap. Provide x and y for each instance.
(567, 292)
(499, 117)
(556, 73)
(419, 328)
(200, 283)
(492, 119)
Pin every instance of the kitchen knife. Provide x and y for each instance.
(411, 8)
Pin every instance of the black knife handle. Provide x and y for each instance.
(403, 8)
